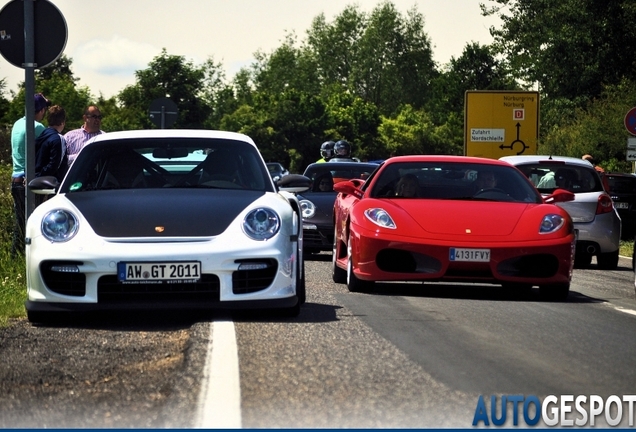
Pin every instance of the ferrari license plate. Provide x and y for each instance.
(185, 271)
(469, 255)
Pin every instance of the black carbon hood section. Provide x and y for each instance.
(162, 212)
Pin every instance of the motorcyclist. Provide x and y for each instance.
(342, 152)
(326, 151)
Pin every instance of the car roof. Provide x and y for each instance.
(617, 174)
(525, 159)
(172, 133)
(444, 158)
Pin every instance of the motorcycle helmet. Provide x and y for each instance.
(326, 150)
(342, 149)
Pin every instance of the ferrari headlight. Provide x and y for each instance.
(551, 223)
(59, 225)
(308, 208)
(380, 217)
(261, 224)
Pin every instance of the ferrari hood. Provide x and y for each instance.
(161, 212)
(480, 218)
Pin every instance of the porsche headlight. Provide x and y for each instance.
(380, 217)
(551, 223)
(308, 209)
(59, 225)
(261, 224)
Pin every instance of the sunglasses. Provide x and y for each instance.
(98, 117)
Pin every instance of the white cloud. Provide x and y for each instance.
(115, 56)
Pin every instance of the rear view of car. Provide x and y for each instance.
(596, 221)
(622, 189)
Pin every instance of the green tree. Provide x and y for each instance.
(571, 48)
(597, 129)
(476, 69)
(384, 58)
(59, 85)
(168, 76)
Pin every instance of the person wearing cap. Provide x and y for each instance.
(77, 138)
(18, 154)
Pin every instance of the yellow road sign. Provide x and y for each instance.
(501, 123)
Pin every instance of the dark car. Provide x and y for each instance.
(317, 202)
(276, 170)
(623, 192)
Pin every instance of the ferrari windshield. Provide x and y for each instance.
(167, 163)
(453, 180)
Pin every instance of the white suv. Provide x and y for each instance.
(596, 221)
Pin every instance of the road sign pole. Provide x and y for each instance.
(29, 105)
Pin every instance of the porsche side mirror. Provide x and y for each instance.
(559, 195)
(46, 185)
(294, 183)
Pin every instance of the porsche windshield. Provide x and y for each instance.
(452, 180)
(167, 163)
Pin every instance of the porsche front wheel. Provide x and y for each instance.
(353, 283)
(301, 291)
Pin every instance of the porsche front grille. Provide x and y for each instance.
(110, 290)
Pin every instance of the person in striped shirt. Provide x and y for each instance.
(77, 138)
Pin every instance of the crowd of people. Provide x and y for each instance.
(54, 153)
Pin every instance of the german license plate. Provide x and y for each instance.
(184, 271)
(470, 255)
(621, 205)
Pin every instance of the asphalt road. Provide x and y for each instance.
(407, 355)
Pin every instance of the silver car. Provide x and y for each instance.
(596, 221)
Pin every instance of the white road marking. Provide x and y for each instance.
(620, 309)
(220, 397)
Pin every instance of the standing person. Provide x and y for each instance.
(599, 170)
(18, 182)
(50, 147)
(77, 138)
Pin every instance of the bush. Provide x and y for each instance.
(12, 270)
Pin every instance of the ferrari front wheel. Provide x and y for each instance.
(337, 274)
(353, 283)
(556, 292)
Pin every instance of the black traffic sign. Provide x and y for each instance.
(163, 112)
(50, 33)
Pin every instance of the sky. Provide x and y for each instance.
(111, 39)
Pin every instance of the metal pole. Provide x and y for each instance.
(29, 105)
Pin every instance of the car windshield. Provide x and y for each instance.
(320, 174)
(167, 163)
(453, 181)
(575, 178)
(274, 168)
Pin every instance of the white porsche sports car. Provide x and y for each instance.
(166, 219)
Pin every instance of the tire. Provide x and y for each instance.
(301, 291)
(582, 260)
(607, 261)
(558, 292)
(353, 283)
(291, 312)
(337, 274)
(520, 289)
(39, 317)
